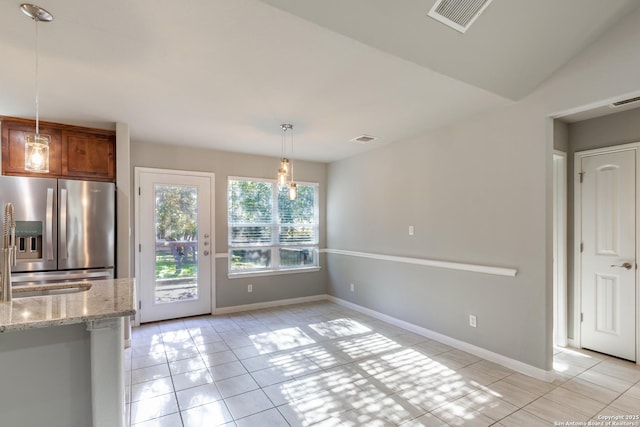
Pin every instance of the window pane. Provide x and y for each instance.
(262, 219)
(250, 259)
(250, 202)
(299, 211)
(296, 257)
(176, 243)
(297, 234)
(250, 235)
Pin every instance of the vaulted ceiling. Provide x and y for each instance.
(225, 74)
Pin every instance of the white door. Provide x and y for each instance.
(175, 235)
(608, 258)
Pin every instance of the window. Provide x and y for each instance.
(267, 231)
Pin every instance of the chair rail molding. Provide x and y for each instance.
(486, 269)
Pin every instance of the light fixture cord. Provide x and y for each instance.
(283, 148)
(291, 155)
(37, 86)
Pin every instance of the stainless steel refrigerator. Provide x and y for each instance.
(65, 229)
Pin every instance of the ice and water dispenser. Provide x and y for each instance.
(28, 240)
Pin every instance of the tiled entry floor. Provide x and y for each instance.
(322, 364)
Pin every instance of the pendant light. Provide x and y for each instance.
(285, 172)
(36, 147)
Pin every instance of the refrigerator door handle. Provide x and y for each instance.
(49, 225)
(63, 224)
(61, 276)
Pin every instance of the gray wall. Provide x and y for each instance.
(479, 191)
(606, 131)
(46, 377)
(560, 136)
(230, 292)
(473, 193)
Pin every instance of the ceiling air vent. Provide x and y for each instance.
(363, 139)
(626, 101)
(458, 14)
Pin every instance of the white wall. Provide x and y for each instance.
(479, 192)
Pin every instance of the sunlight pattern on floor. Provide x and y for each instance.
(323, 365)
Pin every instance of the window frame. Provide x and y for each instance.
(275, 227)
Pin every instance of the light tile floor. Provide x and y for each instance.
(322, 364)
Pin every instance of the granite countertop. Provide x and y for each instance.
(105, 299)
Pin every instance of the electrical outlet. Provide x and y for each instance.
(249, 288)
(412, 230)
(473, 321)
(353, 287)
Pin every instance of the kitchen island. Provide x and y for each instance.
(62, 355)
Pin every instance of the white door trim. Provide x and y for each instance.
(137, 171)
(577, 199)
(560, 247)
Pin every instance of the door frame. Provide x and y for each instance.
(577, 216)
(560, 306)
(137, 171)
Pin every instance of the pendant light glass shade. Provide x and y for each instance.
(284, 164)
(36, 146)
(282, 177)
(293, 191)
(36, 153)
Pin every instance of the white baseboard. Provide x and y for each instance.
(505, 361)
(269, 304)
(508, 362)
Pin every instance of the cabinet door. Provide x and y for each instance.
(89, 156)
(13, 139)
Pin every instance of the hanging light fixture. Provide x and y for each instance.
(285, 172)
(36, 147)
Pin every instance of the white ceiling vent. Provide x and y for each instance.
(458, 14)
(363, 139)
(625, 102)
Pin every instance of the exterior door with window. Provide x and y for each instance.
(174, 238)
(608, 256)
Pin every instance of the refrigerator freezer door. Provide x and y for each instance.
(34, 201)
(86, 224)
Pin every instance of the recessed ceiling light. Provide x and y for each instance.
(363, 139)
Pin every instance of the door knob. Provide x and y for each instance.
(626, 266)
(205, 253)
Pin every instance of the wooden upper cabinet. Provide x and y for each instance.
(90, 156)
(13, 140)
(74, 152)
